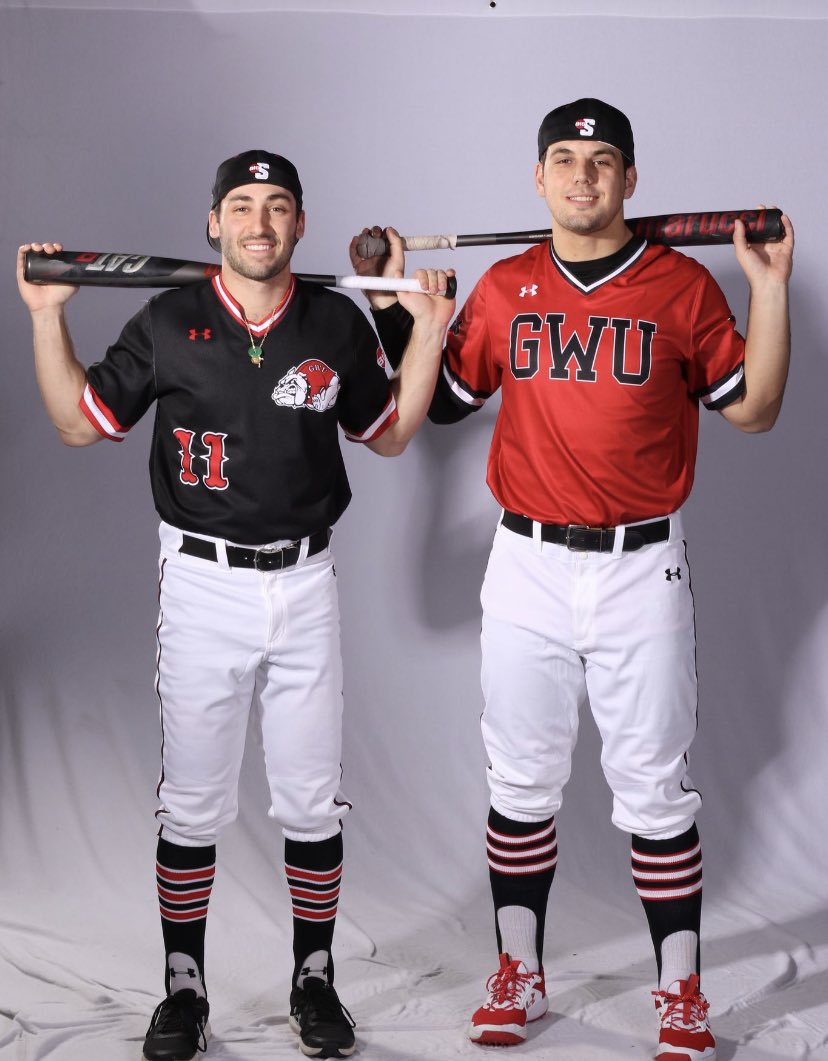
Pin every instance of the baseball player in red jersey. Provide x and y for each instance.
(252, 374)
(603, 347)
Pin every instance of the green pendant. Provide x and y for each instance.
(255, 355)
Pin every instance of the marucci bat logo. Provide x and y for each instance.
(311, 385)
(686, 229)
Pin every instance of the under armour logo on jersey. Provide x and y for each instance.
(204, 333)
(533, 290)
(670, 575)
(260, 170)
(586, 126)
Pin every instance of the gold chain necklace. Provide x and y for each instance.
(255, 352)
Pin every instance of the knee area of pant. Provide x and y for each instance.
(311, 835)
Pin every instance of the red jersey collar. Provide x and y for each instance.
(236, 312)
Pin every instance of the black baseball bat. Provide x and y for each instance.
(108, 269)
(698, 229)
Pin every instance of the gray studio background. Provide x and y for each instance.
(112, 122)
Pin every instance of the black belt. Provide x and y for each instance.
(583, 539)
(269, 558)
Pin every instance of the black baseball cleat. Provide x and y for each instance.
(178, 1029)
(320, 1020)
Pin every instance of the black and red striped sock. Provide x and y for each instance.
(522, 859)
(184, 876)
(668, 879)
(314, 872)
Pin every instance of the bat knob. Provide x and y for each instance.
(451, 287)
(371, 246)
(28, 270)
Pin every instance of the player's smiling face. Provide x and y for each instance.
(584, 185)
(258, 228)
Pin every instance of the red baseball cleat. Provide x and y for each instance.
(685, 1029)
(516, 997)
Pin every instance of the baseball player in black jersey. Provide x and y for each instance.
(252, 374)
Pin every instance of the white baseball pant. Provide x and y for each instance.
(229, 639)
(561, 627)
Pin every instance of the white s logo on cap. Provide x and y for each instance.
(260, 170)
(586, 125)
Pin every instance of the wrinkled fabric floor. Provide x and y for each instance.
(71, 992)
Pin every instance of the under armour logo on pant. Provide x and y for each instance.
(672, 574)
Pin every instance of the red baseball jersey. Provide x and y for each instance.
(600, 382)
(238, 452)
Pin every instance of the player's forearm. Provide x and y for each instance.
(393, 326)
(60, 377)
(413, 387)
(767, 356)
(380, 300)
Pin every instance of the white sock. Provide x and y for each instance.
(518, 931)
(315, 964)
(184, 974)
(678, 959)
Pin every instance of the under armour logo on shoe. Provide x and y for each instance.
(524, 291)
(672, 574)
(191, 973)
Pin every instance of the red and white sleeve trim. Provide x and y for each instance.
(101, 417)
(387, 417)
(459, 390)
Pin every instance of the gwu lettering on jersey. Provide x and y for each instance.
(534, 340)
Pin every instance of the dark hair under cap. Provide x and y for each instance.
(588, 119)
(250, 167)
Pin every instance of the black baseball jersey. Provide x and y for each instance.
(250, 454)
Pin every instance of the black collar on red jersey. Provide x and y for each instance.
(588, 275)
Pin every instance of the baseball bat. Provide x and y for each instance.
(673, 230)
(107, 269)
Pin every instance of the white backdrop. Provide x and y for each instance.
(112, 125)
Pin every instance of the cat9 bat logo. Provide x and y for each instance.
(311, 385)
(260, 170)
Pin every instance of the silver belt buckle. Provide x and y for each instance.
(267, 550)
(576, 547)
